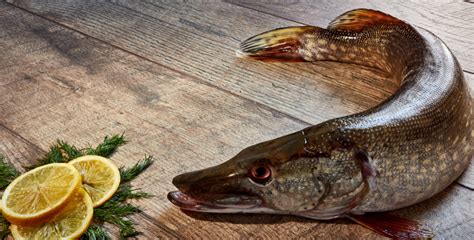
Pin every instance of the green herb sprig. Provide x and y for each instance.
(7, 174)
(62, 152)
(116, 210)
(4, 231)
(95, 232)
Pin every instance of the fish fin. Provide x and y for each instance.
(358, 19)
(392, 226)
(277, 44)
(368, 170)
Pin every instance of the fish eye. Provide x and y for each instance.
(260, 173)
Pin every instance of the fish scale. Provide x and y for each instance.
(399, 153)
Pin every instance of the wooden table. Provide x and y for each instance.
(166, 75)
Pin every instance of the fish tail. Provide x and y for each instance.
(351, 38)
(278, 44)
(392, 226)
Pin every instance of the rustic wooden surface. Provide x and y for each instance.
(166, 74)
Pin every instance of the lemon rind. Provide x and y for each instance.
(87, 221)
(16, 218)
(111, 165)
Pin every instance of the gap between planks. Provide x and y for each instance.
(36, 150)
(287, 100)
(294, 20)
(194, 78)
(190, 76)
(445, 19)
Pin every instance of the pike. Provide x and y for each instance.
(399, 153)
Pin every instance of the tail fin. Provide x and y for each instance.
(278, 44)
(393, 227)
(358, 19)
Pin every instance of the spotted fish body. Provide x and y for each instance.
(420, 139)
(401, 152)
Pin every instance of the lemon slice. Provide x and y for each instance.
(70, 223)
(100, 177)
(39, 193)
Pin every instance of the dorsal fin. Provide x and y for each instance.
(357, 19)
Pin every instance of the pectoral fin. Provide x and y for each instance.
(387, 225)
(392, 226)
(367, 168)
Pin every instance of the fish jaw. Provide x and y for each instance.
(232, 203)
(216, 190)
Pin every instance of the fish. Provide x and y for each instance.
(401, 152)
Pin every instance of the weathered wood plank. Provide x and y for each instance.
(17, 150)
(167, 121)
(439, 211)
(91, 89)
(467, 179)
(337, 90)
(203, 45)
(450, 20)
(22, 154)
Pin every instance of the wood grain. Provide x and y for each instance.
(450, 20)
(467, 179)
(67, 85)
(203, 46)
(184, 39)
(18, 151)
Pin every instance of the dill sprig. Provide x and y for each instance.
(125, 192)
(7, 173)
(129, 174)
(62, 152)
(107, 147)
(95, 232)
(116, 210)
(4, 230)
(117, 213)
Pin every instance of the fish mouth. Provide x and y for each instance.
(218, 203)
(214, 190)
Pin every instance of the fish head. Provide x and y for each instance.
(274, 177)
